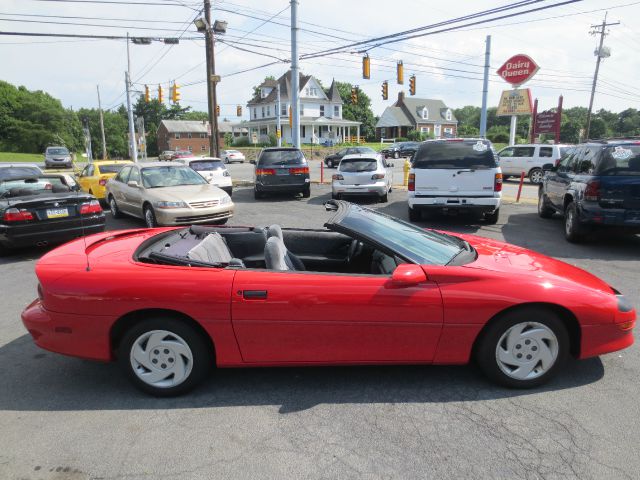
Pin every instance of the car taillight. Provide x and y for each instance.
(299, 170)
(412, 182)
(92, 207)
(337, 176)
(377, 176)
(15, 215)
(102, 182)
(265, 171)
(497, 184)
(48, 186)
(592, 192)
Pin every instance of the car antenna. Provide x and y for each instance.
(84, 238)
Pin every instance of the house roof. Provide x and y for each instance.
(393, 117)
(436, 110)
(334, 94)
(185, 126)
(285, 89)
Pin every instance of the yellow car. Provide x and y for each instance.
(95, 176)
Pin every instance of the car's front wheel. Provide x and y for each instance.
(535, 176)
(329, 163)
(165, 356)
(150, 217)
(396, 154)
(523, 348)
(113, 206)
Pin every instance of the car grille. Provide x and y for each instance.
(205, 204)
(198, 218)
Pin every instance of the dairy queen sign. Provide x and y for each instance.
(518, 69)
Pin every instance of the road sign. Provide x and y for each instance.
(515, 102)
(547, 122)
(518, 69)
(254, 137)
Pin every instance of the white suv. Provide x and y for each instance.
(455, 174)
(529, 159)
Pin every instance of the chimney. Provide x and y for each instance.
(400, 97)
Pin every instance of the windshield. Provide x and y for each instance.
(207, 165)
(112, 167)
(15, 172)
(281, 157)
(620, 160)
(424, 247)
(170, 176)
(57, 151)
(365, 150)
(23, 187)
(564, 150)
(451, 155)
(358, 165)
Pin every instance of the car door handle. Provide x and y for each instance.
(254, 294)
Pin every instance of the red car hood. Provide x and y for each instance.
(499, 257)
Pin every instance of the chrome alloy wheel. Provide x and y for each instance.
(161, 359)
(568, 222)
(527, 350)
(113, 207)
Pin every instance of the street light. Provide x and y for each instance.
(201, 24)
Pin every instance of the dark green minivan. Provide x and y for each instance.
(282, 170)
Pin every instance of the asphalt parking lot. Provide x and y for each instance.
(68, 419)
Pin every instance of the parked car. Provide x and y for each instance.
(401, 149)
(43, 210)
(23, 170)
(62, 179)
(596, 185)
(529, 159)
(167, 194)
(232, 156)
(181, 154)
(94, 177)
(333, 160)
(281, 170)
(170, 304)
(458, 174)
(166, 155)
(363, 174)
(57, 157)
(213, 170)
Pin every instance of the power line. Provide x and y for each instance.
(50, 22)
(120, 2)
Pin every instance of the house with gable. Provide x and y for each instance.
(423, 114)
(320, 113)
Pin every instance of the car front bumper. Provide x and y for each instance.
(187, 216)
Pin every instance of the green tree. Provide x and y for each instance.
(360, 112)
(115, 132)
(153, 113)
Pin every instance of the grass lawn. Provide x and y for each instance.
(21, 157)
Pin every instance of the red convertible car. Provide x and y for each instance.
(170, 303)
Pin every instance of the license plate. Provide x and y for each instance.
(57, 212)
(282, 172)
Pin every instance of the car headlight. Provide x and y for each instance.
(226, 174)
(170, 204)
(225, 200)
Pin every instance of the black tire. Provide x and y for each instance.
(544, 210)
(226, 160)
(492, 218)
(201, 362)
(487, 348)
(384, 198)
(149, 217)
(536, 175)
(257, 194)
(329, 163)
(306, 193)
(573, 231)
(414, 215)
(396, 154)
(336, 196)
(113, 206)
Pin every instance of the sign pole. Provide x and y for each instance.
(533, 121)
(559, 119)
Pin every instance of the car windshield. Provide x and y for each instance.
(281, 157)
(619, 160)
(365, 150)
(24, 187)
(170, 176)
(564, 150)
(207, 165)
(452, 155)
(57, 151)
(15, 172)
(111, 167)
(424, 247)
(358, 165)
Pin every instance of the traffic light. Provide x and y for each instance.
(366, 67)
(354, 95)
(160, 94)
(412, 85)
(175, 93)
(239, 111)
(290, 118)
(218, 110)
(385, 90)
(147, 95)
(400, 71)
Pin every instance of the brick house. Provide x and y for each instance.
(192, 135)
(425, 115)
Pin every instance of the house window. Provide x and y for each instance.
(262, 112)
(448, 116)
(336, 110)
(304, 131)
(177, 136)
(268, 110)
(283, 109)
(302, 110)
(263, 131)
(255, 113)
(424, 129)
(190, 148)
(322, 110)
(448, 130)
(425, 113)
(203, 148)
(189, 135)
(203, 135)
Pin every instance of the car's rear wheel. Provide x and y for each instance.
(544, 210)
(573, 231)
(492, 218)
(113, 206)
(164, 356)
(336, 196)
(150, 217)
(536, 175)
(330, 163)
(226, 160)
(257, 194)
(414, 215)
(306, 192)
(384, 198)
(396, 154)
(523, 348)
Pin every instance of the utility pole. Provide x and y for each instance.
(600, 54)
(295, 76)
(104, 143)
(485, 87)
(211, 80)
(279, 133)
(133, 148)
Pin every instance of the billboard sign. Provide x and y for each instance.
(546, 122)
(515, 102)
(518, 69)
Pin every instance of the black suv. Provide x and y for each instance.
(281, 170)
(334, 160)
(596, 184)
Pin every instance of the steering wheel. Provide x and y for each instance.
(355, 249)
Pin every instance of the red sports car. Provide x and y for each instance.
(171, 303)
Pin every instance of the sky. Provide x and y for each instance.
(447, 66)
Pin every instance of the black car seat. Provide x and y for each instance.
(276, 255)
(276, 231)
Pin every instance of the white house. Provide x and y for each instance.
(320, 114)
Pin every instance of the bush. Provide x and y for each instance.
(498, 134)
(242, 142)
(228, 139)
(402, 139)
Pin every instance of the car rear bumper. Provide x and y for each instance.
(283, 187)
(75, 335)
(378, 188)
(27, 235)
(610, 217)
(480, 204)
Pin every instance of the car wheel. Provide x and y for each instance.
(396, 154)
(164, 356)
(492, 218)
(536, 175)
(414, 215)
(257, 194)
(573, 231)
(226, 160)
(524, 348)
(150, 217)
(384, 198)
(113, 206)
(306, 193)
(336, 196)
(544, 210)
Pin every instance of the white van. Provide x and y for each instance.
(529, 159)
(213, 170)
(456, 174)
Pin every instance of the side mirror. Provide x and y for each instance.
(253, 162)
(548, 167)
(133, 183)
(408, 275)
